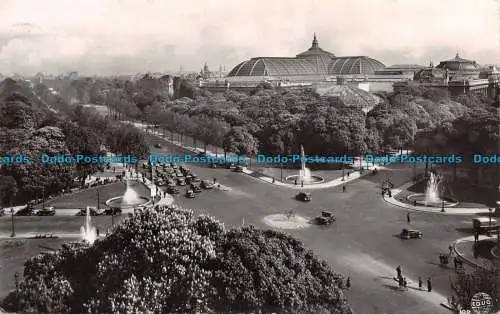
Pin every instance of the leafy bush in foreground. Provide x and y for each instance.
(171, 262)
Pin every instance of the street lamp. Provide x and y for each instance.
(491, 211)
(13, 234)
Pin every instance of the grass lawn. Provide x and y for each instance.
(88, 197)
(13, 255)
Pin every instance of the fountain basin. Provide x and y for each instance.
(420, 199)
(313, 179)
(118, 203)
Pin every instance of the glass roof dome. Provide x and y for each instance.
(458, 64)
(354, 65)
(270, 66)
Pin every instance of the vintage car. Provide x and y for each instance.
(190, 194)
(181, 182)
(195, 188)
(47, 211)
(158, 145)
(410, 234)
(207, 185)
(325, 218)
(238, 169)
(93, 211)
(303, 196)
(172, 190)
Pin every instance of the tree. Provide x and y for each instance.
(168, 261)
(8, 189)
(240, 141)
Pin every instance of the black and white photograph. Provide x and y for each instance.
(239, 157)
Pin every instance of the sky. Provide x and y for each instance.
(110, 37)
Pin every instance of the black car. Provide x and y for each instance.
(181, 182)
(190, 194)
(195, 188)
(325, 218)
(172, 190)
(92, 211)
(238, 169)
(158, 145)
(47, 211)
(207, 184)
(411, 234)
(303, 196)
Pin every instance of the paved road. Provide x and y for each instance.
(361, 244)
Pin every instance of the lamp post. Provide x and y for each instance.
(13, 234)
(491, 211)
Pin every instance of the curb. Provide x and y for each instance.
(461, 256)
(393, 201)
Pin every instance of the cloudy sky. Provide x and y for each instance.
(127, 36)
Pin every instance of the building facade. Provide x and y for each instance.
(458, 76)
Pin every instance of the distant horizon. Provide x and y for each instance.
(120, 37)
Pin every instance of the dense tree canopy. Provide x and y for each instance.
(168, 261)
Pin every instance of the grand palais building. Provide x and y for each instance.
(318, 68)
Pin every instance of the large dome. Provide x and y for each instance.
(458, 64)
(269, 66)
(318, 57)
(354, 65)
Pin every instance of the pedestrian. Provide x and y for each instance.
(476, 236)
(405, 283)
(114, 169)
(455, 263)
(273, 180)
(343, 188)
(429, 284)
(214, 180)
(348, 173)
(302, 184)
(97, 231)
(415, 203)
(389, 192)
(295, 181)
(451, 249)
(401, 282)
(398, 270)
(348, 282)
(408, 217)
(420, 283)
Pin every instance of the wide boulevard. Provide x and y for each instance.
(362, 243)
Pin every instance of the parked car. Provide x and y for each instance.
(238, 169)
(195, 188)
(171, 182)
(172, 190)
(47, 211)
(230, 165)
(178, 174)
(410, 234)
(325, 218)
(303, 196)
(158, 145)
(207, 184)
(181, 182)
(190, 194)
(194, 178)
(93, 211)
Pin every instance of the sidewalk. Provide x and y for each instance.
(463, 248)
(437, 210)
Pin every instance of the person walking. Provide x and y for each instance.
(398, 270)
(214, 180)
(343, 188)
(420, 283)
(429, 284)
(401, 282)
(408, 217)
(405, 283)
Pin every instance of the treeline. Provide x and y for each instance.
(273, 121)
(30, 127)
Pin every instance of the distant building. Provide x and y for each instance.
(458, 76)
(314, 67)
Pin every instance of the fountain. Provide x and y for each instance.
(88, 233)
(128, 201)
(431, 197)
(304, 172)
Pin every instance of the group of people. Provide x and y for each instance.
(404, 284)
